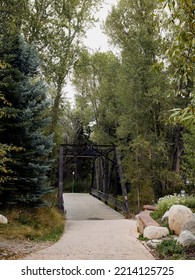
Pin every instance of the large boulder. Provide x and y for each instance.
(186, 238)
(178, 216)
(154, 232)
(3, 219)
(189, 225)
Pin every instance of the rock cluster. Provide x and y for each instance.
(187, 235)
(181, 221)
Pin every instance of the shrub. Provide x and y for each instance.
(165, 203)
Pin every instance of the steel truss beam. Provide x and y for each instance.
(106, 160)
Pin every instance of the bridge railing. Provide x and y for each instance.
(110, 200)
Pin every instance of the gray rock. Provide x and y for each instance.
(153, 243)
(3, 219)
(186, 238)
(154, 232)
(165, 216)
(190, 225)
(178, 215)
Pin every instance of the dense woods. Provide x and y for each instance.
(140, 98)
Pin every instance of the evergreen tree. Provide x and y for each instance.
(5, 171)
(22, 87)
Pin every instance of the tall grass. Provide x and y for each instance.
(37, 224)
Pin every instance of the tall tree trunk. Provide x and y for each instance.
(55, 109)
(178, 149)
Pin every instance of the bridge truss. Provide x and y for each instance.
(107, 180)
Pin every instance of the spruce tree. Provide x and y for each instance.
(26, 92)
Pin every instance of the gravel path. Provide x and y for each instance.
(94, 231)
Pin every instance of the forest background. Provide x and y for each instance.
(141, 99)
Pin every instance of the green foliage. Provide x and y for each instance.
(125, 100)
(56, 28)
(142, 93)
(188, 160)
(184, 116)
(5, 171)
(171, 250)
(165, 203)
(78, 186)
(138, 197)
(96, 79)
(26, 93)
(44, 224)
(12, 15)
(142, 238)
(181, 54)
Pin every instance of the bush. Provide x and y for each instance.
(165, 203)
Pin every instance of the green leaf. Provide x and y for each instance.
(189, 2)
(186, 118)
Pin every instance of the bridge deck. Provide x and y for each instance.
(85, 207)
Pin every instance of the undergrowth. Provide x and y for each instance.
(43, 224)
(171, 250)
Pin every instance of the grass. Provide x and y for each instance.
(142, 238)
(44, 224)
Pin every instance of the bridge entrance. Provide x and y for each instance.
(107, 180)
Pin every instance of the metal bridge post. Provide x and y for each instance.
(60, 186)
(122, 181)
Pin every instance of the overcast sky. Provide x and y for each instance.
(95, 39)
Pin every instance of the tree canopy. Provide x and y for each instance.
(140, 99)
